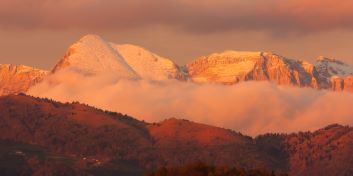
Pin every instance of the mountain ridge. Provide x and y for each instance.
(149, 65)
(19, 78)
(92, 55)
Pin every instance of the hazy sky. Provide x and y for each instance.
(38, 32)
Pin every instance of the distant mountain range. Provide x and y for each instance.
(91, 55)
(39, 136)
(44, 137)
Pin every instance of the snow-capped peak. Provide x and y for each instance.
(92, 55)
(326, 59)
(333, 67)
(147, 64)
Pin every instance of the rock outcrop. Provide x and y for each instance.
(92, 55)
(16, 79)
(337, 74)
(232, 67)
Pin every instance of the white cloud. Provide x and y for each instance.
(250, 107)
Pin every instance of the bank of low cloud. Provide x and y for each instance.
(249, 107)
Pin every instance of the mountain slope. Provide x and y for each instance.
(91, 55)
(149, 65)
(105, 138)
(232, 67)
(15, 79)
(81, 130)
(327, 151)
(337, 74)
(332, 67)
(206, 143)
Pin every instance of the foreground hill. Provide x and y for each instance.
(96, 141)
(327, 151)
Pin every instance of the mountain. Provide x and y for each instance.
(232, 67)
(149, 65)
(95, 141)
(84, 135)
(327, 151)
(180, 142)
(15, 79)
(337, 73)
(332, 67)
(91, 55)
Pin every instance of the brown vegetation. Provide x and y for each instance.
(97, 142)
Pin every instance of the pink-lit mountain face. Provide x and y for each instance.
(15, 79)
(96, 141)
(91, 55)
(232, 67)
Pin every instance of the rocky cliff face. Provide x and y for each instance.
(92, 55)
(283, 71)
(232, 67)
(337, 74)
(15, 79)
(342, 84)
